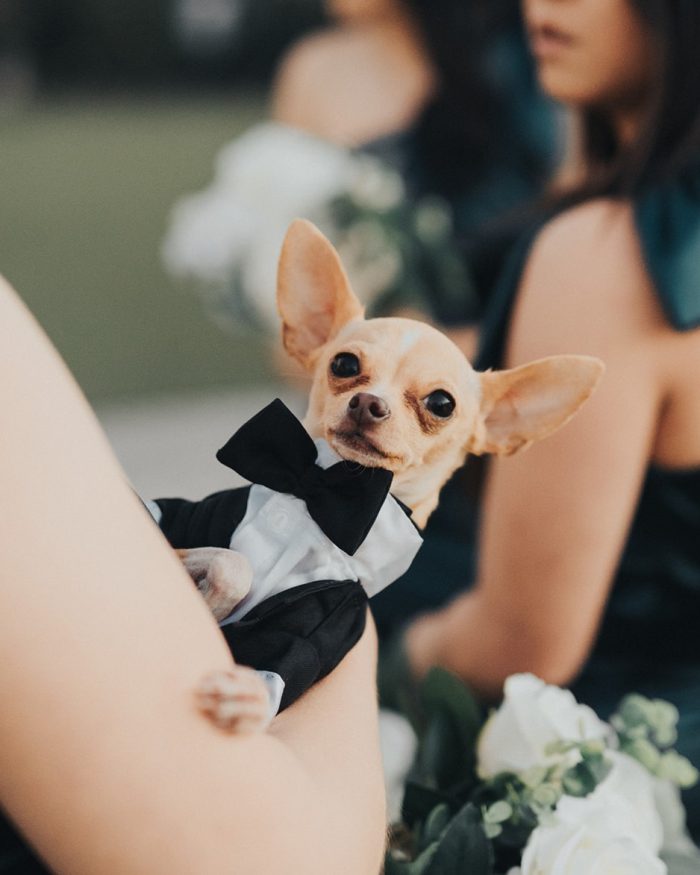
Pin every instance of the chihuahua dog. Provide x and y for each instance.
(388, 393)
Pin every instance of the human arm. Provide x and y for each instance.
(105, 763)
(555, 518)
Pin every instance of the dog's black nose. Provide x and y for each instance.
(365, 408)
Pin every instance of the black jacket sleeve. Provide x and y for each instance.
(302, 633)
(206, 523)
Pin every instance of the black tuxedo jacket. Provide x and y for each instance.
(300, 634)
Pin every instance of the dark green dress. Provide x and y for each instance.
(649, 640)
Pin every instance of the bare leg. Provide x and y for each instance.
(105, 762)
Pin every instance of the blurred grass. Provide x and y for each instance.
(85, 189)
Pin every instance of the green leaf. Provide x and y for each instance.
(435, 824)
(498, 812)
(578, 781)
(440, 756)
(534, 776)
(665, 736)
(584, 777)
(546, 795)
(678, 769)
(639, 731)
(464, 847)
(644, 752)
(664, 719)
(594, 747)
(419, 866)
(419, 802)
(398, 689)
(443, 692)
(634, 709)
(599, 767)
(516, 832)
(446, 754)
(554, 748)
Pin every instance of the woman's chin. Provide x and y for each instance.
(565, 86)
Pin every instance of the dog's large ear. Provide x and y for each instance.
(527, 403)
(314, 298)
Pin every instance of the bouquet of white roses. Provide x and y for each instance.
(542, 787)
(226, 238)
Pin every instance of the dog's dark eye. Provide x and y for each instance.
(440, 403)
(345, 364)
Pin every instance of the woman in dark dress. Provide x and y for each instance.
(444, 93)
(589, 554)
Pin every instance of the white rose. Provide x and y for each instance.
(264, 179)
(578, 849)
(615, 830)
(622, 805)
(209, 232)
(282, 172)
(531, 717)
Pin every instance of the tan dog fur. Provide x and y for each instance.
(402, 362)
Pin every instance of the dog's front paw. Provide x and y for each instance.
(236, 700)
(222, 576)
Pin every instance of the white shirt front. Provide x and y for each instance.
(286, 548)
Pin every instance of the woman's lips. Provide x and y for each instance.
(546, 40)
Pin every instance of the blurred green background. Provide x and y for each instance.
(108, 112)
(86, 189)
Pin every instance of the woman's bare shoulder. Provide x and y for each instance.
(312, 57)
(587, 270)
(586, 288)
(602, 226)
(344, 85)
(311, 73)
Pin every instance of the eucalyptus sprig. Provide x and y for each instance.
(461, 814)
(647, 730)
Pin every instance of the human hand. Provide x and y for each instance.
(235, 700)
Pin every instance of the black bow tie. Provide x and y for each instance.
(275, 450)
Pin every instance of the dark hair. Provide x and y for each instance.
(670, 137)
(468, 116)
